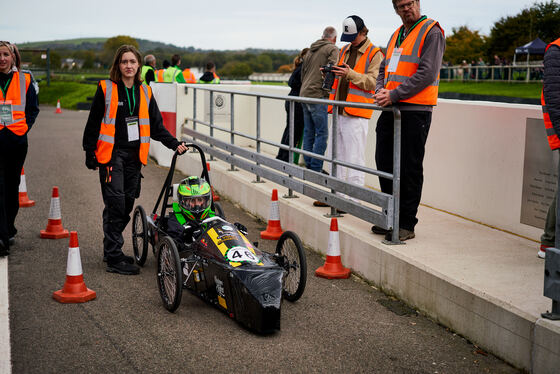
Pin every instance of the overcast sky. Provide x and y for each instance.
(219, 24)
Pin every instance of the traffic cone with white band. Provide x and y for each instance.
(74, 289)
(274, 229)
(54, 228)
(24, 200)
(333, 269)
(58, 110)
(215, 196)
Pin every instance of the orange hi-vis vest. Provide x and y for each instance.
(106, 139)
(355, 93)
(553, 140)
(159, 75)
(411, 50)
(189, 76)
(15, 96)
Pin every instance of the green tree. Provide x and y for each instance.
(235, 70)
(541, 20)
(112, 44)
(464, 44)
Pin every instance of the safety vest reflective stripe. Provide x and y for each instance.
(106, 138)
(553, 140)
(411, 49)
(16, 95)
(356, 94)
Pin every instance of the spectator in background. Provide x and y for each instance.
(188, 75)
(209, 76)
(148, 69)
(357, 70)
(481, 68)
(18, 115)
(497, 71)
(174, 73)
(413, 87)
(316, 131)
(550, 101)
(160, 72)
(295, 85)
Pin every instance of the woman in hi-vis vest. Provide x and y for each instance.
(124, 116)
(18, 110)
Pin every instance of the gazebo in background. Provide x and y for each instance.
(535, 47)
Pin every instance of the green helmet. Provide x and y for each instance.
(195, 197)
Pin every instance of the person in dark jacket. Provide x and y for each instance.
(19, 108)
(295, 85)
(123, 117)
(550, 101)
(209, 76)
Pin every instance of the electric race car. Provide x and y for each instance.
(219, 264)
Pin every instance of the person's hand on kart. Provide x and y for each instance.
(182, 148)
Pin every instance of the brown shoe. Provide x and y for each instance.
(404, 234)
(320, 204)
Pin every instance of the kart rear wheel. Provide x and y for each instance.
(169, 274)
(219, 210)
(140, 235)
(290, 255)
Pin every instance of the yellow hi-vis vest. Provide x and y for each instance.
(411, 50)
(355, 93)
(16, 95)
(553, 140)
(106, 140)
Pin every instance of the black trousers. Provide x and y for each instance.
(120, 186)
(415, 127)
(11, 162)
(298, 130)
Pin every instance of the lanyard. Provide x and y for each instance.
(5, 88)
(130, 110)
(400, 39)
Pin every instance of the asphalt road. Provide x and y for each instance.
(337, 326)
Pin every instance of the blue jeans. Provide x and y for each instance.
(315, 133)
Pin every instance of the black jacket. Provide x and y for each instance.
(8, 138)
(93, 125)
(551, 87)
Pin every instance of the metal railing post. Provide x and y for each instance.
(232, 126)
(291, 142)
(258, 180)
(396, 174)
(194, 109)
(333, 212)
(211, 119)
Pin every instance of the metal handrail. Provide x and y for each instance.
(294, 177)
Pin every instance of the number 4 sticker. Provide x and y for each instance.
(241, 254)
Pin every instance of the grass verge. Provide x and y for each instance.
(522, 90)
(69, 93)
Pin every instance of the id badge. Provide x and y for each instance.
(132, 128)
(6, 115)
(394, 62)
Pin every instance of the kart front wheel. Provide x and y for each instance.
(169, 274)
(140, 235)
(290, 256)
(219, 210)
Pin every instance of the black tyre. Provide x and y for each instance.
(219, 210)
(169, 274)
(140, 235)
(290, 255)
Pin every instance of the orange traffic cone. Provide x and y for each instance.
(58, 110)
(215, 196)
(23, 198)
(54, 228)
(273, 230)
(333, 269)
(74, 289)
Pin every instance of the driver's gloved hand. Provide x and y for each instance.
(91, 160)
(241, 228)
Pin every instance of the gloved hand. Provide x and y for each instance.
(91, 160)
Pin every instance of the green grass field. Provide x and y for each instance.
(523, 90)
(69, 93)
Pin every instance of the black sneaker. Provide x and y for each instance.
(12, 240)
(4, 251)
(127, 259)
(379, 230)
(404, 234)
(123, 267)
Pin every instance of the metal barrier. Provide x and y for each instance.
(506, 73)
(322, 187)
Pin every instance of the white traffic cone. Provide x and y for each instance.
(54, 228)
(333, 269)
(274, 229)
(24, 200)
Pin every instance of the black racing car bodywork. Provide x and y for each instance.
(220, 265)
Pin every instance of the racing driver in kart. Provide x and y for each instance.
(194, 205)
